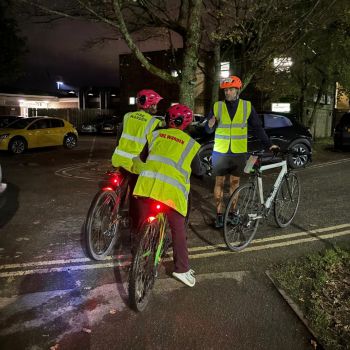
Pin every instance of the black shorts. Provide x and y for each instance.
(228, 164)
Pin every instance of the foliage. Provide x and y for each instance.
(12, 46)
(320, 284)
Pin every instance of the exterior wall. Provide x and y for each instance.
(16, 104)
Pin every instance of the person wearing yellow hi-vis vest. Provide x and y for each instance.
(165, 178)
(136, 127)
(232, 118)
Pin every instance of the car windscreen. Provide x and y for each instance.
(20, 123)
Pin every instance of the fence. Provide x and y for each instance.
(75, 116)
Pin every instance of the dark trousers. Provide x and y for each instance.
(144, 207)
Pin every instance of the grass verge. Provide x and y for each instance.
(320, 285)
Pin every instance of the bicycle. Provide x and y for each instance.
(247, 207)
(154, 241)
(107, 214)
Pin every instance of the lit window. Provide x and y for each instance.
(132, 100)
(224, 69)
(282, 64)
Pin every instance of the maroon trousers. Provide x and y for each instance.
(144, 207)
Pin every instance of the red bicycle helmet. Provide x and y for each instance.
(179, 117)
(231, 82)
(147, 98)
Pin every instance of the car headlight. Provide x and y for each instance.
(4, 136)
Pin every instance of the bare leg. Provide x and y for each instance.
(219, 193)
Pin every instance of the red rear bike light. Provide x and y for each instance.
(115, 180)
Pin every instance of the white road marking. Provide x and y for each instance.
(92, 149)
(195, 253)
(334, 162)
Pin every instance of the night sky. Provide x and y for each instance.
(56, 51)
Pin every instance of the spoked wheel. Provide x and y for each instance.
(241, 217)
(144, 266)
(102, 224)
(287, 200)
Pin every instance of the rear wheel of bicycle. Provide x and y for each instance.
(144, 266)
(101, 227)
(241, 218)
(287, 200)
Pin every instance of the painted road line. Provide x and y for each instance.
(276, 238)
(92, 149)
(64, 269)
(273, 245)
(334, 162)
(195, 256)
(191, 250)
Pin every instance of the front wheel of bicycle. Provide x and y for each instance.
(287, 200)
(242, 217)
(101, 228)
(144, 266)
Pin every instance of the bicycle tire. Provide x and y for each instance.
(239, 227)
(287, 200)
(144, 266)
(101, 228)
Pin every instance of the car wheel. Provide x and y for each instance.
(205, 155)
(300, 159)
(17, 145)
(70, 141)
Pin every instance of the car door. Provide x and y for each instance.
(38, 134)
(279, 129)
(56, 132)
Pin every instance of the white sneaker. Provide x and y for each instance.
(186, 277)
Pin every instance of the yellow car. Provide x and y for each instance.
(37, 132)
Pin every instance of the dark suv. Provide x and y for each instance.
(283, 130)
(342, 132)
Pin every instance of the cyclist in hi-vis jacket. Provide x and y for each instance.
(232, 118)
(165, 178)
(136, 127)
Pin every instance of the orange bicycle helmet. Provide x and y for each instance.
(231, 82)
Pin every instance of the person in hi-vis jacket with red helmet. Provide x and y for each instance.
(165, 178)
(232, 118)
(131, 144)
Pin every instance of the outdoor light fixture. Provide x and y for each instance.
(90, 94)
(59, 84)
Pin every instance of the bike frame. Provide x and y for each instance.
(276, 185)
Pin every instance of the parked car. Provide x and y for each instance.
(283, 130)
(92, 126)
(109, 125)
(342, 132)
(37, 132)
(8, 119)
(2, 185)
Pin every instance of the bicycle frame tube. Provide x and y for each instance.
(161, 219)
(276, 185)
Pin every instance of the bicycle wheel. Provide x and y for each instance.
(287, 200)
(144, 265)
(242, 217)
(101, 229)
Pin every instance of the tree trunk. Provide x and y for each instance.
(191, 45)
(311, 121)
(215, 74)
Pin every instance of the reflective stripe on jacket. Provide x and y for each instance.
(136, 127)
(165, 176)
(232, 134)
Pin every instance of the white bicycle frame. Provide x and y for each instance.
(276, 185)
